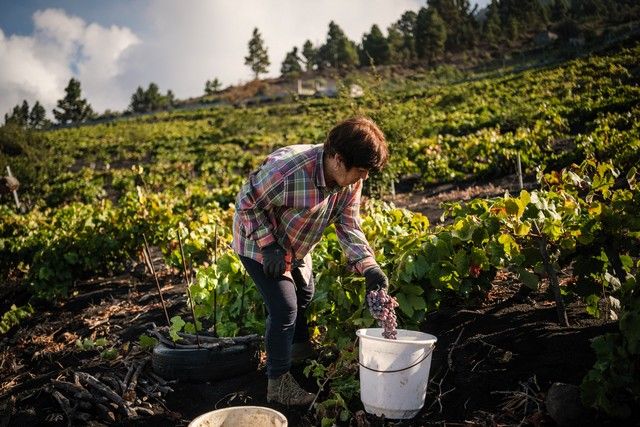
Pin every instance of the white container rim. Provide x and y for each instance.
(236, 408)
(428, 338)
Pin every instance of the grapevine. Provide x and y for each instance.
(383, 309)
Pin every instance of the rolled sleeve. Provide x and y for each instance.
(351, 237)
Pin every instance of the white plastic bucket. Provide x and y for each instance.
(394, 373)
(241, 416)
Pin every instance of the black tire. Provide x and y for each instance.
(200, 365)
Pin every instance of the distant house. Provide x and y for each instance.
(356, 91)
(329, 88)
(303, 91)
(326, 88)
(544, 38)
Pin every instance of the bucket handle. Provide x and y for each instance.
(403, 369)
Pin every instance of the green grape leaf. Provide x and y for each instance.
(176, 326)
(530, 280)
(147, 342)
(109, 354)
(522, 229)
(404, 304)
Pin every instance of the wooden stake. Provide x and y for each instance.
(147, 257)
(186, 279)
(215, 290)
(15, 192)
(519, 171)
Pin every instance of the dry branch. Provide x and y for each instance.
(64, 405)
(453, 346)
(77, 391)
(130, 393)
(123, 406)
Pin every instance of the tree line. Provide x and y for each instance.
(73, 108)
(423, 37)
(442, 27)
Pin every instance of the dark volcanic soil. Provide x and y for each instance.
(493, 364)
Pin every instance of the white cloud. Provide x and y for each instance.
(178, 45)
(38, 67)
(190, 42)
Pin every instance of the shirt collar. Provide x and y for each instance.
(320, 181)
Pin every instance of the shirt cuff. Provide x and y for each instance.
(365, 264)
(265, 241)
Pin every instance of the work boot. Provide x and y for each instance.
(285, 390)
(300, 352)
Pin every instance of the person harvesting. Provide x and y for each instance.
(281, 214)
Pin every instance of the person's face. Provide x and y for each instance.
(345, 177)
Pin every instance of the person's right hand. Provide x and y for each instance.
(273, 263)
(375, 279)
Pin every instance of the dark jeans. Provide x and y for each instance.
(286, 302)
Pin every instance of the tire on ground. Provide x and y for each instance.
(200, 365)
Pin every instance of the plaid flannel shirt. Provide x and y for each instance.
(287, 200)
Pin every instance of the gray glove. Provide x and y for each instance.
(273, 263)
(375, 279)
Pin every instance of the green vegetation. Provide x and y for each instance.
(574, 125)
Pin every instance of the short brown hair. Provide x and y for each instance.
(359, 142)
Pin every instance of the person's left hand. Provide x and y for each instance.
(273, 263)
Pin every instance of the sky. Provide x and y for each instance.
(114, 46)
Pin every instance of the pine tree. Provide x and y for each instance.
(170, 99)
(436, 35)
(38, 116)
(431, 34)
(493, 26)
(407, 27)
(72, 108)
(258, 59)
(291, 64)
(21, 116)
(376, 47)
(396, 45)
(421, 33)
(310, 55)
(24, 113)
(138, 103)
(522, 16)
(212, 86)
(144, 101)
(338, 51)
(154, 99)
(460, 25)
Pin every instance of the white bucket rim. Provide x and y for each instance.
(235, 408)
(429, 339)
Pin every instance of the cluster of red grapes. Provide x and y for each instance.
(383, 309)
